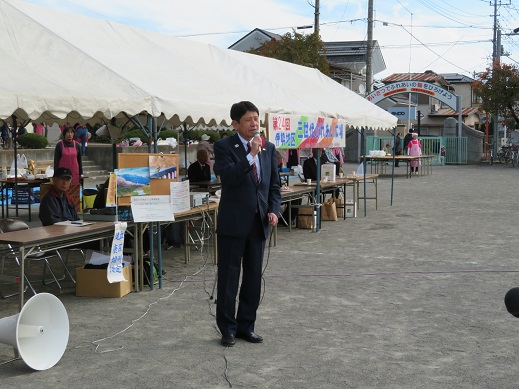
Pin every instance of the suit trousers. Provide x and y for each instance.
(233, 254)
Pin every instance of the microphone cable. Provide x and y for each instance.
(264, 283)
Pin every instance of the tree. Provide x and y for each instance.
(499, 90)
(306, 50)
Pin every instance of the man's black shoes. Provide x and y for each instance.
(250, 337)
(228, 340)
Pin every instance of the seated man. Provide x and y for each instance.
(56, 206)
(310, 168)
(199, 170)
(310, 165)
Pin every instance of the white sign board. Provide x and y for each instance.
(296, 131)
(152, 208)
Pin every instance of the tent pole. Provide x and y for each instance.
(13, 137)
(157, 224)
(149, 133)
(154, 134)
(184, 125)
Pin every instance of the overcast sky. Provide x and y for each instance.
(445, 36)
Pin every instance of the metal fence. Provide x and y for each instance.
(455, 148)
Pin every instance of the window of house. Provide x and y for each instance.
(423, 99)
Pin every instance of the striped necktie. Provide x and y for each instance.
(254, 168)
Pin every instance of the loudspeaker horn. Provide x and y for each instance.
(39, 332)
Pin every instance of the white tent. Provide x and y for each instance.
(55, 65)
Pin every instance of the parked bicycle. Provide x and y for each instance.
(504, 155)
(514, 155)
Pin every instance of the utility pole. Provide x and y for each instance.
(495, 61)
(316, 22)
(369, 50)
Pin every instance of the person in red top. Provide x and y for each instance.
(68, 154)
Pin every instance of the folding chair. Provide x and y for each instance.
(10, 225)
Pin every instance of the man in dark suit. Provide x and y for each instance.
(199, 170)
(310, 165)
(249, 205)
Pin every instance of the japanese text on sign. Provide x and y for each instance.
(294, 131)
(426, 88)
(115, 266)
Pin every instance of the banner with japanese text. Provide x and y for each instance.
(115, 267)
(306, 132)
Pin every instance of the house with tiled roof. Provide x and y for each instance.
(253, 40)
(462, 86)
(430, 112)
(353, 55)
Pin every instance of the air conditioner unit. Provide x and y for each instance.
(435, 107)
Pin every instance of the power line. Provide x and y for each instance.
(463, 11)
(442, 12)
(436, 44)
(351, 21)
(432, 51)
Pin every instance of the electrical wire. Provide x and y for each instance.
(440, 11)
(391, 273)
(97, 343)
(432, 51)
(445, 52)
(10, 361)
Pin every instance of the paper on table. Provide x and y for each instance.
(179, 192)
(93, 257)
(152, 208)
(75, 223)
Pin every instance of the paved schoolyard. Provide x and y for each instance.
(410, 296)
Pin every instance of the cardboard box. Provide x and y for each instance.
(93, 283)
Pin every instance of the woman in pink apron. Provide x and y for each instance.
(414, 148)
(68, 154)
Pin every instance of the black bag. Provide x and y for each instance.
(174, 234)
(22, 196)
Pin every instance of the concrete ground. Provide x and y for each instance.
(410, 296)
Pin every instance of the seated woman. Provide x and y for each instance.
(56, 206)
(199, 170)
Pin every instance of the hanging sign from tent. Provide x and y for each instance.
(305, 132)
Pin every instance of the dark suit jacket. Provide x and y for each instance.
(241, 197)
(310, 169)
(407, 139)
(196, 172)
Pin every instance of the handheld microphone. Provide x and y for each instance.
(257, 134)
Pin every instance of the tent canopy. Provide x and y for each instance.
(60, 67)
